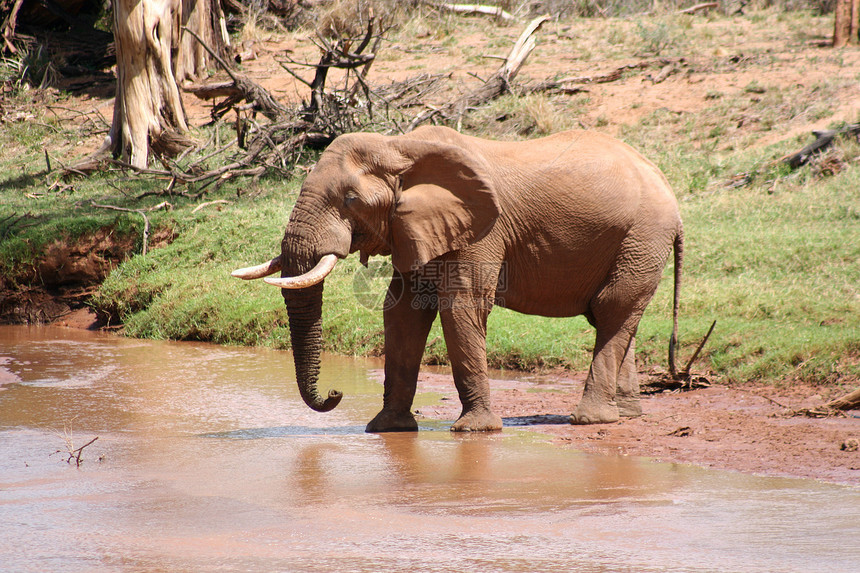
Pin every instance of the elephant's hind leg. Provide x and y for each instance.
(611, 388)
(611, 376)
(598, 404)
(627, 388)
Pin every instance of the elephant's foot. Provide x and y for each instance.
(590, 413)
(477, 421)
(629, 406)
(391, 421)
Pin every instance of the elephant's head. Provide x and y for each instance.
(409, 197)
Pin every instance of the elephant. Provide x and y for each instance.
(575, 223)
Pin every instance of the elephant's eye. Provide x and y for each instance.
(349, 198)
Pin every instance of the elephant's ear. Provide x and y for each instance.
(446, 202)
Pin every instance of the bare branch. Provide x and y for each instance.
(686, 371)
(849, 401)
(142, 213)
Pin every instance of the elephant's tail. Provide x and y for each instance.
(676, 301)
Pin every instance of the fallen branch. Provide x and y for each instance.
(618, 73)
(850, 401)
(245, 88)
(475, 9)
(668, 66)
(664, 382)
(683, 380)
(612, 76)
(213, 90)
(552, 87)
(699, 7)
(823, 140)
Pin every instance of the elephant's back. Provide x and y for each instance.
(567, 203)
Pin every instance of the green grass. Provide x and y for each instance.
(775, 262)
(780, 272)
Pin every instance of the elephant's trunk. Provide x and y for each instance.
(299, 257)
(304, 308)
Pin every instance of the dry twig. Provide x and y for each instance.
(71, 451)
(699, 8)
(208, 203)
(850, 401)
(837, 407)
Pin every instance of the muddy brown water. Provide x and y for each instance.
(207, 460)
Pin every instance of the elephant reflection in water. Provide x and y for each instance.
(577, 223)
(471, 473)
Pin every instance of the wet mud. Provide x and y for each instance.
(207, 460)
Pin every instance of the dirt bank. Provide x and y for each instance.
(61, 278)
(64, 276)
(744, 428)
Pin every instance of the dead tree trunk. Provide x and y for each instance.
(153, 56)
(846, 23)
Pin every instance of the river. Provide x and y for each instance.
(207, 460)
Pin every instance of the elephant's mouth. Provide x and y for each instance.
(369, 244)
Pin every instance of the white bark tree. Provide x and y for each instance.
(154, 56)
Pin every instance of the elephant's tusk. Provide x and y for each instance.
(259, 271)
(310, 278)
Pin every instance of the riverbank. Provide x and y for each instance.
(770, 252)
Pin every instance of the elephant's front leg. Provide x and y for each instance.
(408, 316)
(464, 324)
